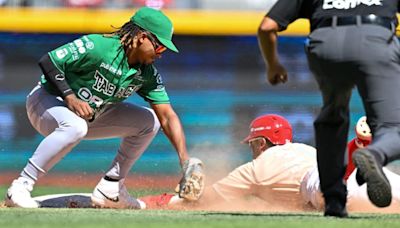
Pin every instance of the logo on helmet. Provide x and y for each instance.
(273, 127)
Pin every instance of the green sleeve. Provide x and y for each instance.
(153, 90)
(76, 55)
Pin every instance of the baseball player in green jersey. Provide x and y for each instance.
(81, 96)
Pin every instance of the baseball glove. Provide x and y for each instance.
(191, 185)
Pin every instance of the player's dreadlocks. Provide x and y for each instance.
(127, 33)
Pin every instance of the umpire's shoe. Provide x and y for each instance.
(370, 169)
(19, 195)
(113, 194)
(335, 208)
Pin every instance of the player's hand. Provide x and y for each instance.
(276, 74)
(191, 185)
(79, 107)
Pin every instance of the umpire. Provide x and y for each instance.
(352, 43)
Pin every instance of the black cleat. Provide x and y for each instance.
(336, 209)
(370, 170)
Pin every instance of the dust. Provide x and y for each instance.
(252, 206)
(220, 161)
(249, 205)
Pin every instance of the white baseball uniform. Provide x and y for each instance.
(287, 176)
(275, 176)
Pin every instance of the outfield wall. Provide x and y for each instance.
(89, 20)
(186, 22)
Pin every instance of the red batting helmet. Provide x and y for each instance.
(275, 128)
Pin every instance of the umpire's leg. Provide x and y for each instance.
(378, 85)
(379, 89)
(334, 75)
(331, 130)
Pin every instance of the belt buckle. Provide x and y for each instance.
(371, 17)
(376, 20)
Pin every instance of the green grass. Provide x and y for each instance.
(98, 218)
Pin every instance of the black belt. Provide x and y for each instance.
(354, 20)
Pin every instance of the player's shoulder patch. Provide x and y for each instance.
(86, 42)
(159, 80)
(61, 53)
(89, 44)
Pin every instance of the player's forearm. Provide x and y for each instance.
(55, 76)
(173, 129)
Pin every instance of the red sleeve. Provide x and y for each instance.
(351, 147)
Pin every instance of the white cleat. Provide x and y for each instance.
(113, 194)
(19, 195)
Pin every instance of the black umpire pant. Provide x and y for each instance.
(368, 57)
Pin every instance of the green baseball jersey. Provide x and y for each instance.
(97, 70)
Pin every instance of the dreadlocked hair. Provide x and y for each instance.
(127, 33)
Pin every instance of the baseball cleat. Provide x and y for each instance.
(113, 194)
(19, 195)
(335, 208)
(378, 187)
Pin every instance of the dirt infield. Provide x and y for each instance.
(90, 180)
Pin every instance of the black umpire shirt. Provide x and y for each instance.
(285, 12)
